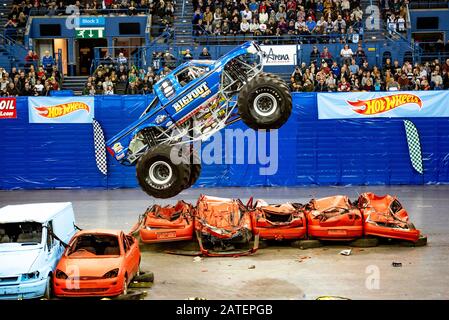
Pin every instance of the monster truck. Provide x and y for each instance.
(193, 102)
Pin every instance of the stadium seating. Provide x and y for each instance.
(204, 28)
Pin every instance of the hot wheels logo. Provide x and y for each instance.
(62, 109)
(384, 104)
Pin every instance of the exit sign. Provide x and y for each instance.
(89, 33)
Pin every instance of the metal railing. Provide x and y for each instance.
(429, 4)
(88, 12)
(431, 51)
(211, 39)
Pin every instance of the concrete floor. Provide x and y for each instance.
(281, 272)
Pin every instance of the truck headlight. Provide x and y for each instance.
(30, 276)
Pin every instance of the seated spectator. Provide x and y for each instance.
(368, 86)
(326, 56)
(122, 60)
(12, 91)
(205, 55)
(146, 90)
(354, 68)
(296, 79)
(244, 26)
(39, 88)
(132, 89)
(393, 85)
(344, 86)
(321, 86)
(108, 91)
(187, 55)
(314, 55)
(346, 54)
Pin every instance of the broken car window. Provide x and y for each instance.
(95, 244)
(21, 232)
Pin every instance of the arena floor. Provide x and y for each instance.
(280, 272)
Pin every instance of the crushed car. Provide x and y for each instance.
(168, 223)
(278, 221)
(193, 102)
(223, 227)
(97, 263)
(384, 216)
(32, 240)
(333, 218)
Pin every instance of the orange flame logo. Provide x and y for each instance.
(384, 104)
(61, 109)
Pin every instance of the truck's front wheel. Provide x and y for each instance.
(159, 176)
(265, 102)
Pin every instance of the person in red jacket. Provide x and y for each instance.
(344, 86)
(30, 59)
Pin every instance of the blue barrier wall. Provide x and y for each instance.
(311, 151)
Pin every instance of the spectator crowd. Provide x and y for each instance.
(352, 72)
(394, 13)
(162, 10)
(113, 76)
(39, 77)
(339, 20)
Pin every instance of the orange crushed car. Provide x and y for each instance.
(333, 218)
(169, 223)
(223, 227)
(97, 263)
(384, 216)
(278, 221)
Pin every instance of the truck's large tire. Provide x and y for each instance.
(265, 102)
(158, 176)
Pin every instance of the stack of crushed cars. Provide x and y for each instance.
(228, 227)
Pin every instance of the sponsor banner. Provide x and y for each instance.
(397, 104)
(8, 108)
(280, 55)
(61, 109)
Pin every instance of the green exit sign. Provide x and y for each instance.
(89, 33)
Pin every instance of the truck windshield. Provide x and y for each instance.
(189, 74)
(94, 245)
(24, 233)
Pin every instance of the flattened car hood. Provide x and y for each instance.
(15, 262)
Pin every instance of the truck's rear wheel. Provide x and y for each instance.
(158, 176)
(265, 102)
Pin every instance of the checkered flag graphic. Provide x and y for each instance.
(414, 145)
(100, 148)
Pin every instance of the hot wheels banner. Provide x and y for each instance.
(61, 109)
(402, 104)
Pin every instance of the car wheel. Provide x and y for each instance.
(158, 176)
(265, 102)
(365, 242)
(138, 268)
(306, 244)
(125, 286)
(48, 294)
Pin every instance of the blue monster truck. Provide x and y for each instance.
(193, 102)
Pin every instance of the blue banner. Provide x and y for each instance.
(397, 104)
(61, 109)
